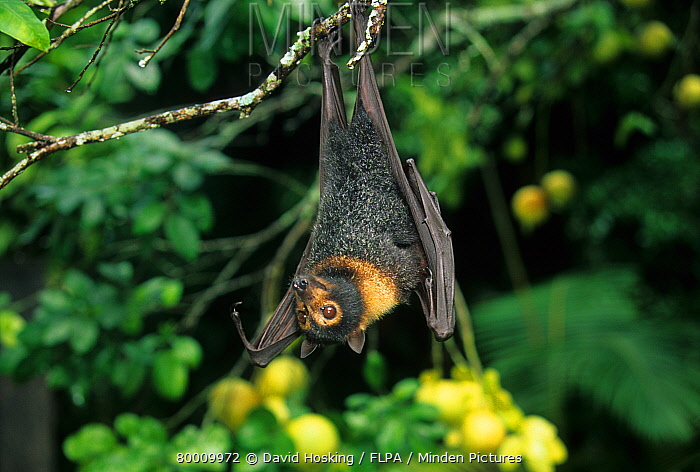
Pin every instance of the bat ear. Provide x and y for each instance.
(356, 340)
(307, 348)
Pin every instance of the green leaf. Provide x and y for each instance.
(78, 284)
(187, 350)
(128, 375)
(11, 324)
(120, 272)
(261, 431)
(197, 208)
(170, 375)
(43, 3)
(55, 301)
(127, 424)
(11, 358)
(8, 233)
(144, 30)
(142, 432)
(633, 121)
(148, 218)
(20, 22)
(84, 336)
(183, 235)
(148, 296)
(171, 293)
(58, 377)
(151, 293)
(211, 439)
(405, 389)
(59, 331)
(93, 212)
(201, 68)
(187, 177)
(209, 161)
(144, 78)
(374, 370)
(91, 441)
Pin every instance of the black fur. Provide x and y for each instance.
(362, 212)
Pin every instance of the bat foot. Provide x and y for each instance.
(443, 335)
(234, 312)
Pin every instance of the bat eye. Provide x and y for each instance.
(328, 312)
(302, 316)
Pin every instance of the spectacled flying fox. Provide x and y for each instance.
(378, 235)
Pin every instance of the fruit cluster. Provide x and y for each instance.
(482, 418)
(233, 399)
(476, 414)
(532, 204)
(653, 40)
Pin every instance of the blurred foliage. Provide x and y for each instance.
(585, 296)
(582, 332)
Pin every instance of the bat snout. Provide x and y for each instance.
(300, 285)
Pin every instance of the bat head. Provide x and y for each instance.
(329, 310)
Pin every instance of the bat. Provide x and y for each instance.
(377, 238)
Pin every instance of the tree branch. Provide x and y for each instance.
(178, 22)
(245, 103)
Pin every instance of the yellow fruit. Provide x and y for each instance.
(537, 427)
(313, 434)
(638, 4)
(557, 451)
(429, 376)
(530, 206)
(453, 438)
(560, 187)
(282, 377)
(608, 47)
(654, 39)
(512, 417)
(231, 400)
(482, 431)
(512, 445)
(515, 149)
(461, 372)
(542, 449)
(452, 398)
(687, 92)
(491, 379)
(277, 407)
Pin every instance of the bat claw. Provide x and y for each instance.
(234, 312)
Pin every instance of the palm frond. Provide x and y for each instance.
(583, 332)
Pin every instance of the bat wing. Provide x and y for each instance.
(436, 291)
(279, 332)
(282, 328)
(332, 105)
